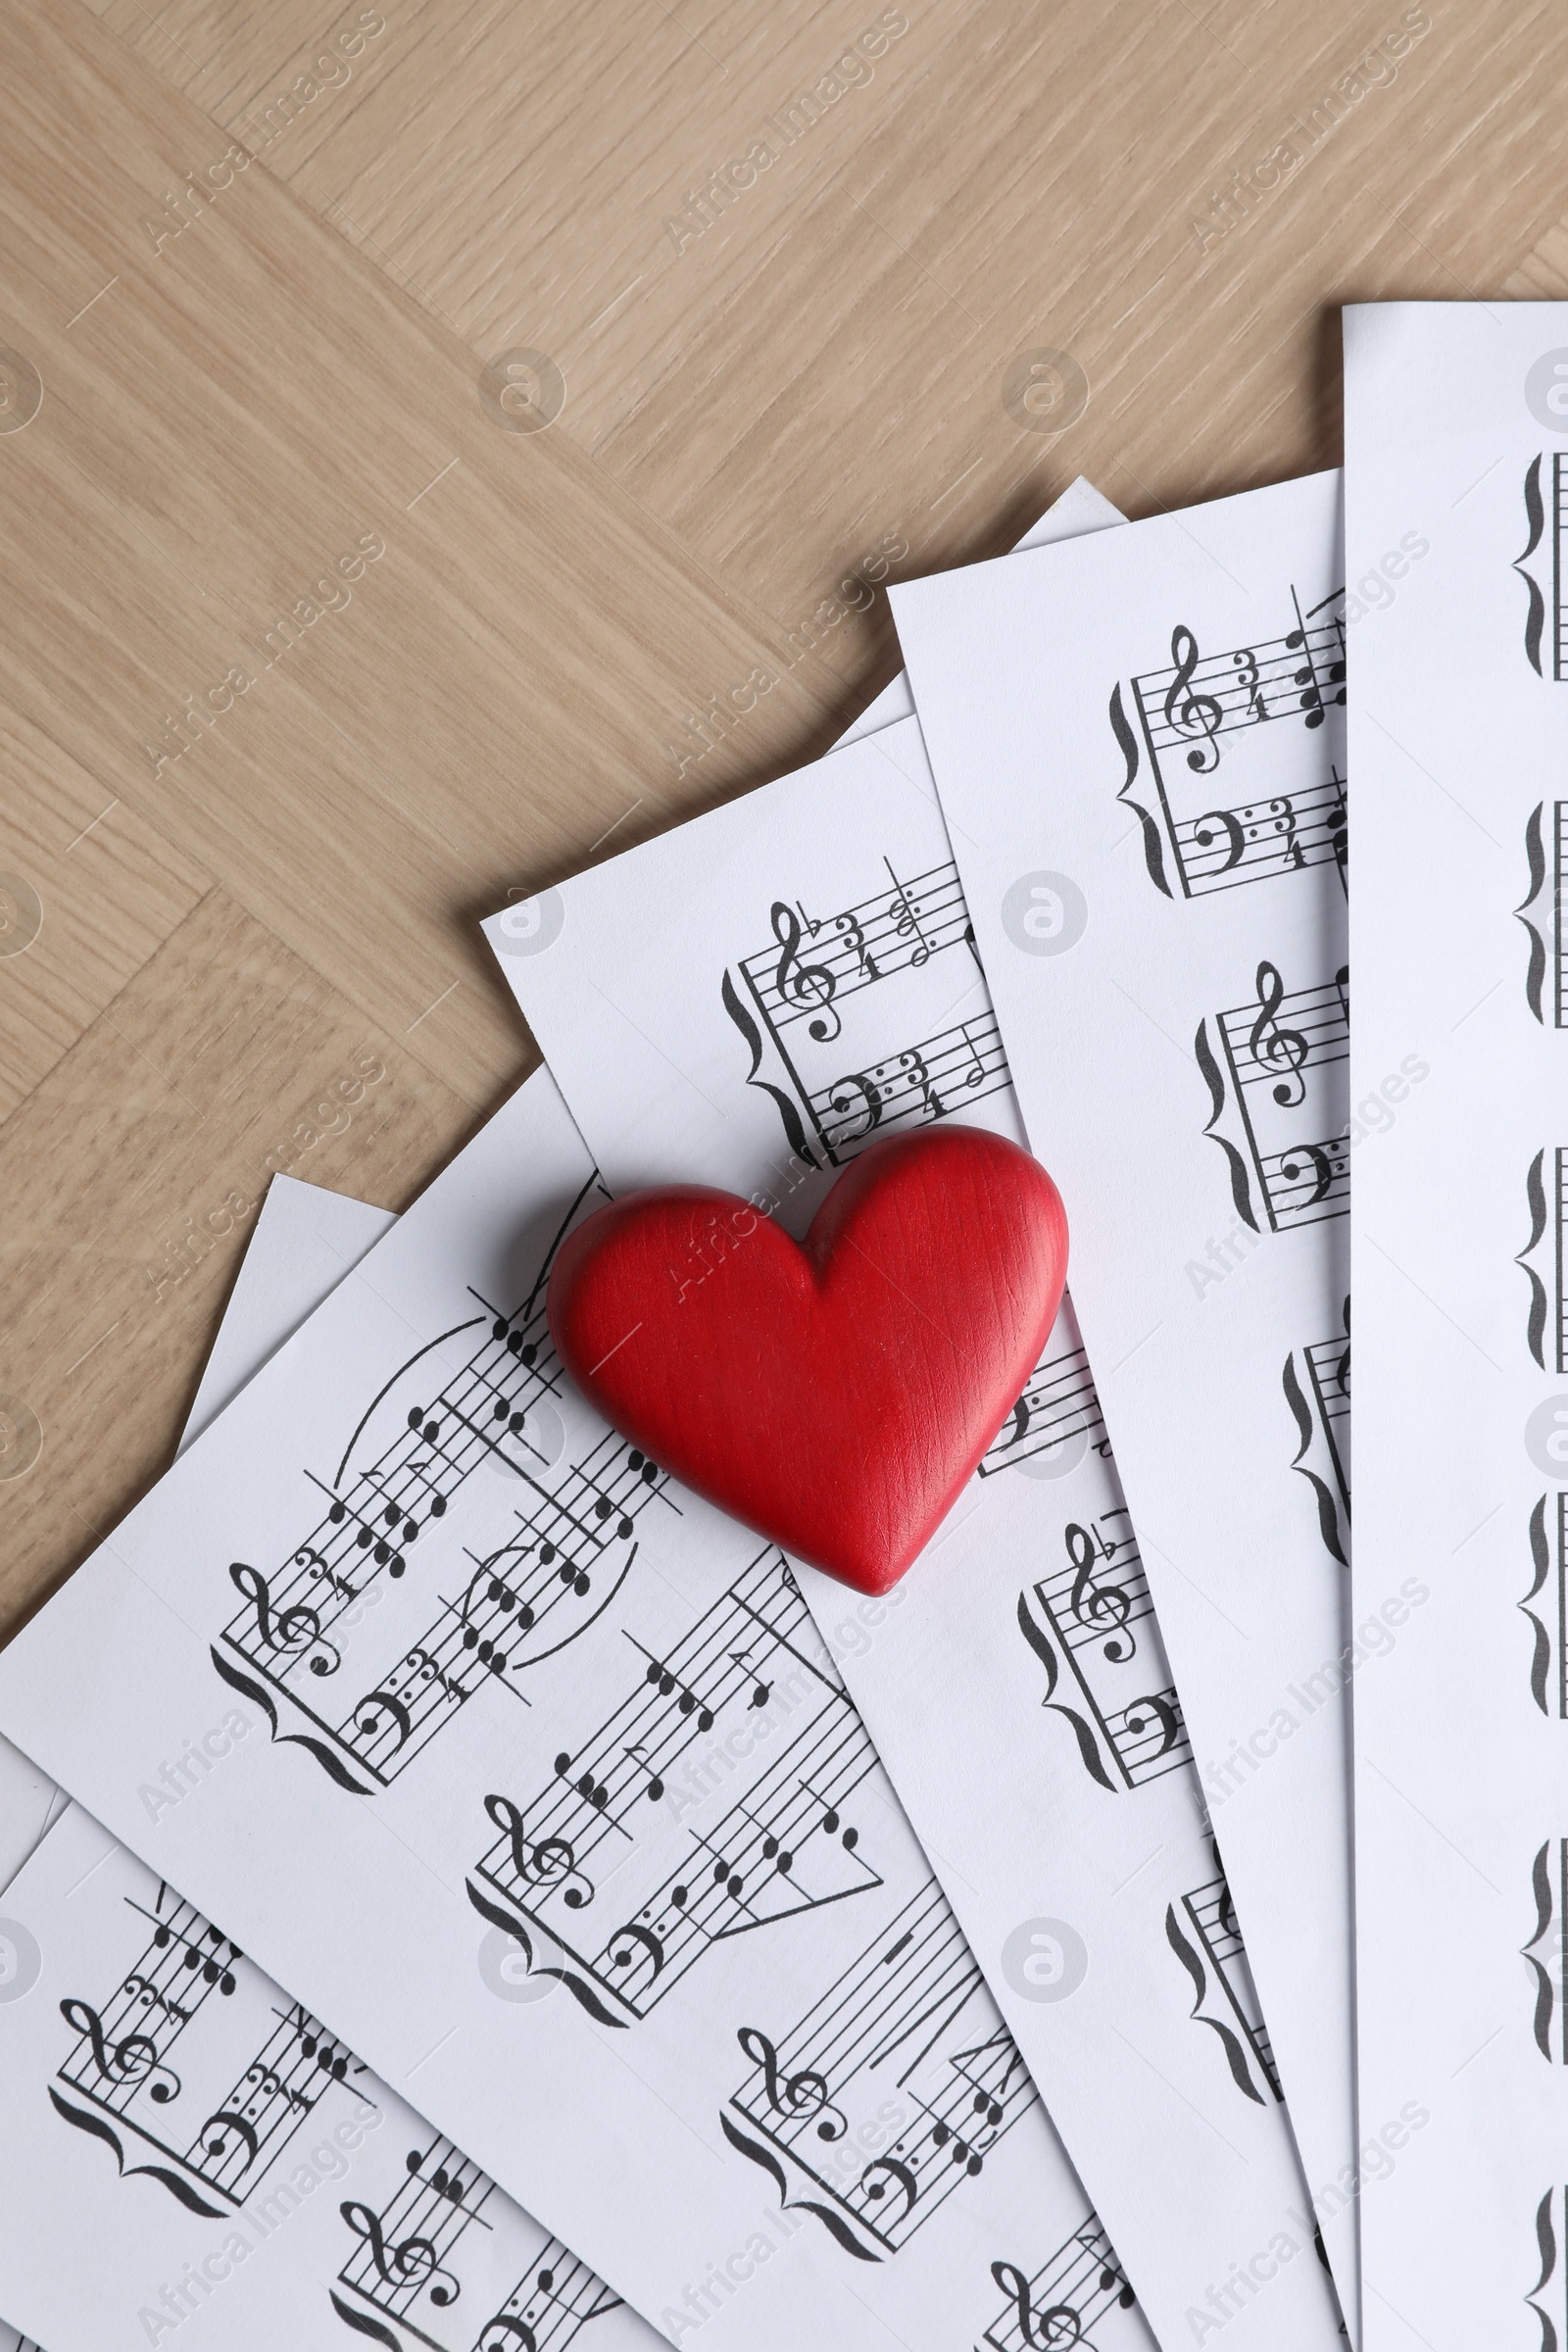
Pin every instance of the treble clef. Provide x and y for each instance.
(1103, 1608)
(548, 1862)
(1058, 2323)
(411, 2263)
(293, 1630)
(802, 2094)
(134, 2059)
(1274, 1048)
(1189, 713)
(800, 983)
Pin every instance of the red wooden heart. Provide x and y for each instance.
(834, 1394)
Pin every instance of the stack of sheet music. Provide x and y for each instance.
(494, 1901)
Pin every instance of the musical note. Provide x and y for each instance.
(881, 943)
(655, 1787)
(1300, 640)
(761, 1691)
(1195, 709)
(1064, 2298)
(1058, 1417)
(149, 1996)
(521, 1606)
(1270, 1065)
(782, 1846)
(901, 2019)
(1339, 833)
(1091, 1628)
(556, 2297)
(445, 2180)
(907, 1086)
(421, 1456)
(202, 1952)
(316, 2046)
(1225, 1996)
(906, 912)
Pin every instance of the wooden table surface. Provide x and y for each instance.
(444, 441)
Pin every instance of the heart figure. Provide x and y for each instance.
(835, 1395)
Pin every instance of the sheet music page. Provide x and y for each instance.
(28, 1803)
(746, 1002)
(1080, 508)
(305, 1240)
(190, 2194)
(1456, 529)
(1138, 741)
(507, 1690)
(187, 2155)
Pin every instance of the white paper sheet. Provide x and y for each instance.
(1456, 540)
(29, 1803)
(558, 1720)
(455, 2261)
(1138, 739)
(744, 1002)
(305, 1240)
(187, 2157)
(1080, 508)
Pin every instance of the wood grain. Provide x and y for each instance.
(132, 1175)
(781, 379)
